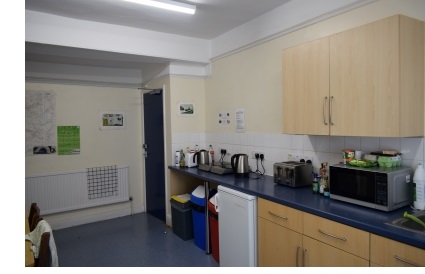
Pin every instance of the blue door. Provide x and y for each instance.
(154, 153)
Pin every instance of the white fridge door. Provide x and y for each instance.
(237, 223)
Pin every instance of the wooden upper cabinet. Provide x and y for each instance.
(376, 79)
(306, 88)
(372, 83)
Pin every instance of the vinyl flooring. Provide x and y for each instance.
(138, 240)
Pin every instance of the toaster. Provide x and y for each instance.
(293, 174)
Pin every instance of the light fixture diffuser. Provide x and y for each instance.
(167, 4)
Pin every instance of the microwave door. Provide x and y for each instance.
(401, 193)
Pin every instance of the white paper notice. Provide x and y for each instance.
(240, 120)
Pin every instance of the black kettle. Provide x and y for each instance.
(240, 165)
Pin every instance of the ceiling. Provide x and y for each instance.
(212, 17)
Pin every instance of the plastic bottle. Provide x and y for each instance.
(177, 158)
(323, 184)
(419, 189)
(182, 162)
(315, 182)
(212, 155)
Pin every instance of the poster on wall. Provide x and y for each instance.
(224, 118)
(240, 120)
(68, 140)
(112, 120)
(186, 109)
(40, 122)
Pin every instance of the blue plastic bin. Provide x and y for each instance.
(198, 201)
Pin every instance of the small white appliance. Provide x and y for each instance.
(190, 159)
(237, 227)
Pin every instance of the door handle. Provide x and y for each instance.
(145, 147)
(405, 261)
(323, 110)
(296, 257)
(330, 110)
(332, 236)
(216, 202)
(278, 216)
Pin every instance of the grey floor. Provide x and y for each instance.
(136, 240)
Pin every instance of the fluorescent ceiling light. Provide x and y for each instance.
(167, 4)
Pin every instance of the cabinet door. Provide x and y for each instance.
(318, 254)
(365, 80)
(305, 85)
(387, 252)
(277, 245)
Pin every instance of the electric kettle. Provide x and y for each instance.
(240, 165)
(202, 157)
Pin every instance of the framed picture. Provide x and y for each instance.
(112, 120)
(186, 109)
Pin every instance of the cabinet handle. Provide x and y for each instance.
(333, 236)
(330, 110)
(405, 261)
(278, 216)
(323, 110)
(296, 258)
(304, 255)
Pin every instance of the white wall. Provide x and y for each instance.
(80, 106)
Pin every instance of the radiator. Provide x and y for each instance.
(65, 191)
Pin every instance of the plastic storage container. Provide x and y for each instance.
(213, 218)
(181, 216)
(198, 202)
(419, 190)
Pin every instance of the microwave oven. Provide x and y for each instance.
(380, 188)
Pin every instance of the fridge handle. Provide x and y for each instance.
(216, 202)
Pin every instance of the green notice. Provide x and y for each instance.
(68, 140)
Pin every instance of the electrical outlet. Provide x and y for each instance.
(257, 152)
(299, 157)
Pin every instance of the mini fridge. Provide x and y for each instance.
(237, 227)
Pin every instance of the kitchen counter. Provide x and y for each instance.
(370, 220)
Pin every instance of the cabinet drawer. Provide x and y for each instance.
(387, 252)
(341, 236)
(280, 214)
(318, 254)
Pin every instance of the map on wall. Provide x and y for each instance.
(40, 122)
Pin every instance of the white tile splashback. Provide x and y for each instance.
(277, 146)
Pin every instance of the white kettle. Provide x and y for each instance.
(190, 159)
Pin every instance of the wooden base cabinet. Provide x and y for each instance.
(387, 252)
(289, 237)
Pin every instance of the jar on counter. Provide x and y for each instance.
(323, 184)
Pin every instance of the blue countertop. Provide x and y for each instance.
(371, 220)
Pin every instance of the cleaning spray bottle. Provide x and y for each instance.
(419, 189)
